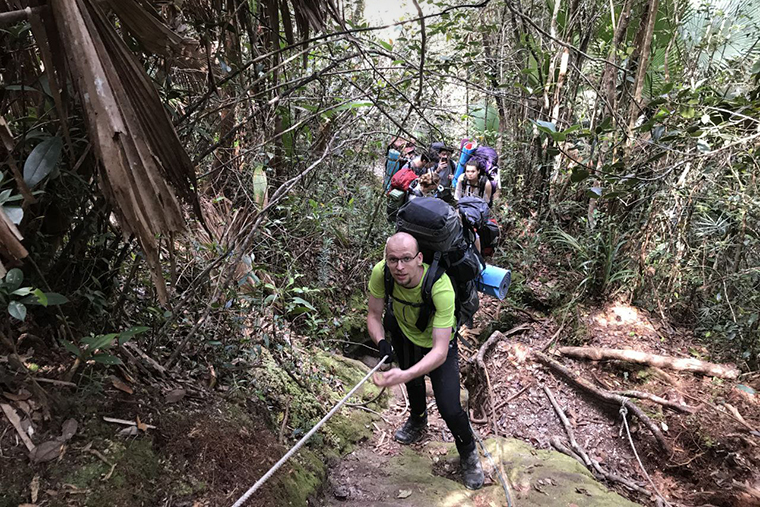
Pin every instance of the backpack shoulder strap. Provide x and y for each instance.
(388, 282)
(434, 273)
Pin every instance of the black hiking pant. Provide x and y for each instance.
(445, 381)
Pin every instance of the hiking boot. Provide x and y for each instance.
(411, 431)
(472, 472)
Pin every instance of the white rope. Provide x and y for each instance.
(502, 480)
(624, 412)
(306, 437)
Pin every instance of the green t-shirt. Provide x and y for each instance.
(406, 315)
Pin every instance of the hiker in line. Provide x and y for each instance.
(419, 164)
(427, 185)
(474, 183)
(444, 166)
(431, 352)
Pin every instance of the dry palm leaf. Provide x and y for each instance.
(138, 151)
(10, 241)
(156, 37)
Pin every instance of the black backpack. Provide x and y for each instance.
(477, 215)
(448, 248)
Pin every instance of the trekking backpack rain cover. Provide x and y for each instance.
(489, 162)
(403, 178)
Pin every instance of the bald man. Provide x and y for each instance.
(430, 352)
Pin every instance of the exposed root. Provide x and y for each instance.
(606, 396)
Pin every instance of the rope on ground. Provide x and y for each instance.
(306, 437)
(624, 413)
(502, 480)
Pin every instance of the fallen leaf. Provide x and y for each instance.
(404, 493)
(175, 395)
(22, 395)
(129, 431)
(141, 425)
(25, 407)
(121, 386)
(735, 413)
(35, 488)
(69, 429)
(46, 451)
(27, 505)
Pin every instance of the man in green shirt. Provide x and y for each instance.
(430, 352)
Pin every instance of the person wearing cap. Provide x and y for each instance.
(444, 165)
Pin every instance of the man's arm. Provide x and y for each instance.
(375, 319)
(432, 360)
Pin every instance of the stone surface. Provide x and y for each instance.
(430, 473)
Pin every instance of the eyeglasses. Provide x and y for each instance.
(406, 260)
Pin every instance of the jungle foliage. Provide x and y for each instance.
(222, 193)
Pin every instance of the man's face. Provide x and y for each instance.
(404, 262)
(444, 156)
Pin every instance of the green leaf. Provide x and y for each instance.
(102, 341)
(106, 359)
(14, 213)
(13, 279)
(23, 291)
(127, 335)
(666, 87)
(135, 330)
(303, 302)
(42, 299)
(605, 125)
(594, 192)
(548, 126)
(259, 185)
(17, 310)
(72, 348)
(42, 160)
(55, 299)
(385, 45)
(578, 175)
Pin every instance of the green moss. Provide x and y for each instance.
(277, 386)
(132, 481)
(350, 372)
(338, 436)
(345, 430)
(305, 478)
(354, 323)
(538, 478)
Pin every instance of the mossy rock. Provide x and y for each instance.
(430, 477)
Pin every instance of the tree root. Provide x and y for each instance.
(606, 396)
(635, 356)
(656, 399)
(480, 363)
(579, 453)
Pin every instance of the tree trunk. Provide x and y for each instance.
(641, 71)
(609, 76)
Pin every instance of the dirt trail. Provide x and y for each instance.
(384, 473)
(715, 456)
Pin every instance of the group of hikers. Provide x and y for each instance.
(424, 289)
